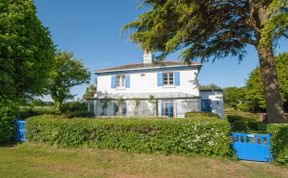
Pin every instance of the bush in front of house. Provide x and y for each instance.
(207, 136)
(279, 142)
(201, 115)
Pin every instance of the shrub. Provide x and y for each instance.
(74, 106)
(279, 142)
(245, 123)
(79, 114)
(201, 114)
(26, 112)
(207, 136)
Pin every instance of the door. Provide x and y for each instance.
(206, 105)
(167, 108)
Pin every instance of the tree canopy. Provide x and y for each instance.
(67, 73)
(254, 91)
(26, 50)
(216, 29)
(90, 92)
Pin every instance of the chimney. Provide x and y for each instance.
(147, 58)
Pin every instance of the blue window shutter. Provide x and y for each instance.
(176, 78)
(160, 79)
(127, 81)
(113, 81)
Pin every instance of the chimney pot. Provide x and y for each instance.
(147, 58)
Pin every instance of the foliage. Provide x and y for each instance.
(105, 103)
(202, 136)
(26, 50)
(250, 124)
(79, 114)
(254, 91)
(201, 114)
(209, 87)
(136, 104)
(279, 142)
(67, 73)
(154, 101)
(90, 92)
(216, 29)
(74, 106)
(25, 112)
(8, 110)
(234, 97)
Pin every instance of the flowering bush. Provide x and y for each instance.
(206, 136)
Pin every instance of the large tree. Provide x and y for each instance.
(26, 50)
(217, 28)
(254, 98)
(67, 73)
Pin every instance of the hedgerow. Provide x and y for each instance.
(279, 142)
(207, 136)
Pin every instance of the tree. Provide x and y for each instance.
(209, 87)
(67, 73)
(90, 92)
(254, 90)
(233, 97)
(217, 28)
(26, 51)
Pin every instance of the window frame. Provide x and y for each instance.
(168, 78)
(120, 81)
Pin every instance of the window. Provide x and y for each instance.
(167, 108)
(120, 81)
(168, 78)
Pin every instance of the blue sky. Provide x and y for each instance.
(91, 30)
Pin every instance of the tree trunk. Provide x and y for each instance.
(272, 96)
(59, 105)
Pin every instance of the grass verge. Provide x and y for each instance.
(33, 160)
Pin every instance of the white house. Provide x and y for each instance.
(149, 89)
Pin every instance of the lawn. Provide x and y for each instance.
(29, 160)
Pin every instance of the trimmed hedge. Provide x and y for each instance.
(207, 136)
(279, 142)
(201, 114)
(79, 114)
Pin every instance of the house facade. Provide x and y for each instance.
(148, 89)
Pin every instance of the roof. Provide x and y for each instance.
(168, 95)
(210, 90)
(142, 66)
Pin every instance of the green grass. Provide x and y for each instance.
(30, 160)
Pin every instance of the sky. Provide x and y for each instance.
(91, 29)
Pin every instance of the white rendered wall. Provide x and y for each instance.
(217, 101)
(146, 82)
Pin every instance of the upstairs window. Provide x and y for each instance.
(120, 81)
(168, 78)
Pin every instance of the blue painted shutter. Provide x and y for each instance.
(113, 81)
(160, 79)
(176, 78)
(127, 81)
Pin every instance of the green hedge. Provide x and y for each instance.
(279, 142)
(208, 136)
(241, 123)
(201, 114)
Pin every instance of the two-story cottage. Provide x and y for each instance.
(148, 89)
